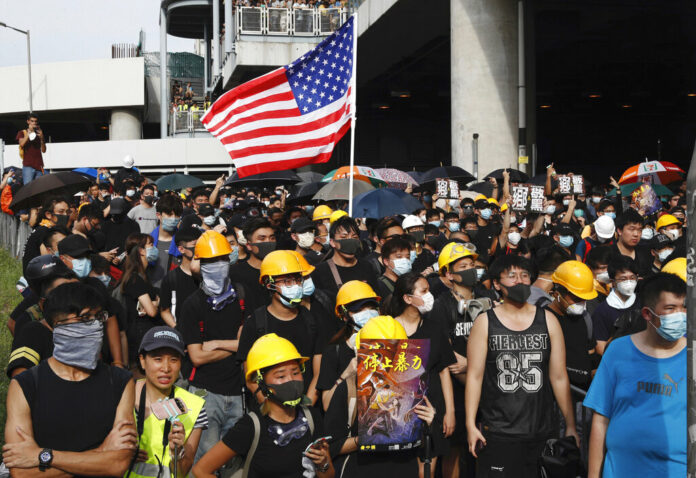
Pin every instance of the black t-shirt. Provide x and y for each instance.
(116, 233)
(484, 236)
(314, 257)
(255, 295)
(437, 287)
(73, 416)
(30, 314)
(271, 460)
(324, 279)
(424, 260)
(223, 377)
(385, 286)
(137, 324)
(33, 344)
(334, 361)
(577, 344)
(32, 248)
(28, 301)
(179, 285)
(643, 259)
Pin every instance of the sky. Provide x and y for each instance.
(67, 30)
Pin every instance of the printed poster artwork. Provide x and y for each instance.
(392, 381)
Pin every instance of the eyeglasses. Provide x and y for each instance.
(288, 281)
(100, 316)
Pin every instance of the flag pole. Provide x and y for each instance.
(354, 107)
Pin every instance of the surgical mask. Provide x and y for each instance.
(105, 279)
(453, 202)
(241, 239)
(169, 224)
(61, 219)
(362, 317)
(673, 234)
(401, 266)
(566, 202)
(596, 199)
(479, 273)
(82, 267)
(428, 301)
(664, 254)
(78, 344)
(647, 233)
(418, 236)
(308, 287)
(288, 393)
(234, 255)
(291, 295)
(550, 209)
(267, 203)
(151, 254)
(265, 248)
(453, 226)
(305, 240)
(566, 241)
(513, 220)
(325, 239)
(214, 277)
(412, 256)
(130, 193)
(210, 220)
(514, 238)
(576, 309)
(518, 293)
(579, 213)
(486, 214)
(672, 326)
(626, 287)
(603, 277)
(435, 223)
(611, 214)
(149, 200)
(422, 218)
(349, 246)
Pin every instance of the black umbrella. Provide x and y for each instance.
(310, 177)
(483, 187)
(427, 180)
(64, 183)
(274, 178)
(177, 181)
(304, 191)
(516, 176)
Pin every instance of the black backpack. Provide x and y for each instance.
(561, 459)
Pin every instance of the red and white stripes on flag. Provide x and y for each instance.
(292, 116)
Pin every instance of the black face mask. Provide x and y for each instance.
(288, 393)
(418, 236)
(149, 200)
(349, 246)
(518, 293)
(471, 233)
(61, 219)
(264, 248)
(433, 241)
(468, 277)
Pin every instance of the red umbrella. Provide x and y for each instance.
(662, 172)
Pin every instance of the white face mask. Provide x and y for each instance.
(673, 234)
(626, 287)
(664, 254)
(241, 239)
(428, 301)
(305, 240)
(603, 277)
(514, 238)
(576, 309)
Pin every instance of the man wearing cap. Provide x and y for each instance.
(661, 247)
(303, 231)
(424, 258)
(564, 236)
(118, 226)
(602, 233)
(488, 231)
(74, 251)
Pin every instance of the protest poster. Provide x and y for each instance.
(536, 198)
(571, 184)
(447, 188)
(392, 381)
(520, 197)
(645, 200)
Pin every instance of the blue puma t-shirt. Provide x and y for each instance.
(645, 401)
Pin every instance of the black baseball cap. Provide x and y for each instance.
(118, 206)
(206, 210)
(74, 246)
(660, 241)
(162, 337)
(563, 229)
(302, 224)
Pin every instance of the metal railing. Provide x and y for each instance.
(289, 21)
(186, 121)
(13, 234)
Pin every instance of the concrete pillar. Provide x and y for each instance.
(216, 40)
(483, 58)
(206, 59)
(164, 84)
(125, 124)
(229, 28)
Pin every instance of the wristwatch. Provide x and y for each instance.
(45, 459)
(323, 468)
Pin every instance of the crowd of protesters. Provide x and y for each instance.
(245, 305)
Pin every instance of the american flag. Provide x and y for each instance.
(292, 116)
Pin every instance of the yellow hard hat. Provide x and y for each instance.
(666, 220)
(278, 263)
(676, 266)
(577, 278)
(321, 212)
(352, 291)
(336, 215)
(493, 201)
(504, 207)
(211, 244)
(452, 252)
(480, 196)
(382, 327)
(270, 350)
(306, 266)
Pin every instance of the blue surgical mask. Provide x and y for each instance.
(234, 255)
(152, 254)
(362, 317)
(611, 214)
(309, 209)
(169, 224)
(550, 209)
(566, 241)
(672, 326)
(486, 214)
(308, 287)
(413, 255)
(579, 213)
(291, 295)
(210, 220)
(105, 279)
(453, 226)
(401, 266)
(82, 267)
(435, 223)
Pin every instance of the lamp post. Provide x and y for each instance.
(26, 32)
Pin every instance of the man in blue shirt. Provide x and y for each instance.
(639, 392)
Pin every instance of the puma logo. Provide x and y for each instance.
(676, 384)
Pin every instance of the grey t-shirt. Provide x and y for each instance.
(538, 294)
(157, 272)
(145, 217)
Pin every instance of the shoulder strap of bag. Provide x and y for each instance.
(352, 401)
(310, 419)
(254, 443)
(261, 319)
(387, 283)
(334, 273)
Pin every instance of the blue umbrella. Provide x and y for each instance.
(91, 172)
(384, 202)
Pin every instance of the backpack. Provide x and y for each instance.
(261, 321)
(561, 459)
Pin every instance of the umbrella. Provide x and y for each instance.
(33, 194)
(663, 172)
(304, 191)
(178, 181)
(338, 190)
(310, 176)
(516, 176)
(273, 178)
(396, 179)
(383, 203)
(627, 189)
(90, 172)
(483, 187)
(427, 180)
(361, 173)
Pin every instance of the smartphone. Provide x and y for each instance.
(121, 256)
(168, 409)
(479, 444)
(316, 444)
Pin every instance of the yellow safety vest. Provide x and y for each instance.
(183, 107)
(153, 431)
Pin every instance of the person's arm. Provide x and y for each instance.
(458, 370)
(176, 437)
(538, 226)
(558, 375)
(449, 421)
(494, 193)
(226, 345)
(212, 461)
(148, 305)
(348, 374)
(477, 350)
(569, 213)
(201, 357)
(550, 173)
(219, 182)
(168, 318)
(502, 238)
(43, 142)
(618, 200)
(312, 393)
(113, 336)
(24, 139)
(598, 436)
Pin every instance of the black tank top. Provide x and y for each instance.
(516, 397)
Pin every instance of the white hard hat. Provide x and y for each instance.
(604, 227)
(411, 221)
(128, 161)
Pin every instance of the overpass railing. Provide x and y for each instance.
(187, 122)
(289, 21)
(13, 234)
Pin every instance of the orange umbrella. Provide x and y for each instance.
(360, 173)
(662, 172)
